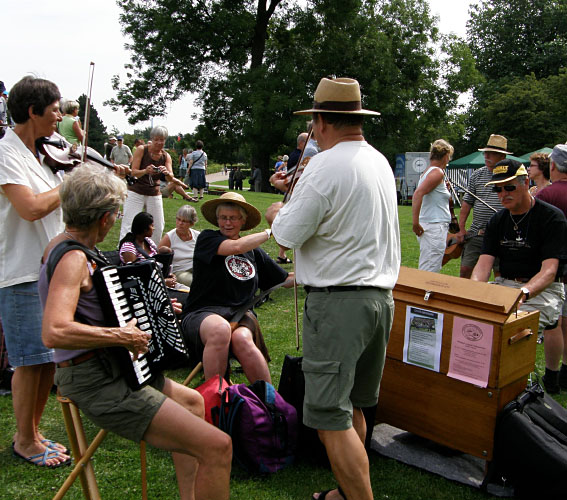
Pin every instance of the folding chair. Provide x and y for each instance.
(82, 453)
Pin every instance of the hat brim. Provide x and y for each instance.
(253, 215)
(500, 181)
(494, 150)
(357, 112)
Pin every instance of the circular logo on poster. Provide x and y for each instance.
(240, 267)
(472, 332)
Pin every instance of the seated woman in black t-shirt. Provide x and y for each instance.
(227, 271)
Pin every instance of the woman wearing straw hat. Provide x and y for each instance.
(227, 271)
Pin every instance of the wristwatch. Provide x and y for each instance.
(526, 293)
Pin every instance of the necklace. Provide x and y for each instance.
(517, 223)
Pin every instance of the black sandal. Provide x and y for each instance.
(282, 260)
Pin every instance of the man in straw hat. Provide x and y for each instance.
(494, 152)
(342, 220)
(556, 340)
(227, 271)
(530, 237)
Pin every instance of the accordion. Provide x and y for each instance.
(138, 291)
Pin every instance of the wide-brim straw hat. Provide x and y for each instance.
(498, 144)
(253, 215)
(337, 95)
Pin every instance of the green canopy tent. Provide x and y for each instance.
(526, 158)
(476, 160)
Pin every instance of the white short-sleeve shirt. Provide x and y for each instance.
(22, 242)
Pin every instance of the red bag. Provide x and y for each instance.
(212, 391)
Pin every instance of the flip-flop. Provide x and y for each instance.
(53, 445)
(281, 260)
(41, 458)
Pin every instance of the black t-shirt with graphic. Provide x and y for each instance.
(541, 234)
(229, 281)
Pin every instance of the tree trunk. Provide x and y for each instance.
(261, 158)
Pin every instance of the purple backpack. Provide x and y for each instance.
(262, 425)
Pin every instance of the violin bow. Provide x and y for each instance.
(452, 190)
(285, 200)
(475, 196)
(88, 111)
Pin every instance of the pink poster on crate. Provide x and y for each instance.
(471, 351)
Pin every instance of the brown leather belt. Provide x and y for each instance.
(77, 360)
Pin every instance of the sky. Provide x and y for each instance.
(58, 39)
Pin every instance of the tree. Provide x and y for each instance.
(96, 129)
(530, 112)
(517, 37)
(269, 60)
(520, 48)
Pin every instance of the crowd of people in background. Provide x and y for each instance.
(517, 238)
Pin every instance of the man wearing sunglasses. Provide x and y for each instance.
(529, 237)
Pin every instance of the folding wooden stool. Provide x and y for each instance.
(82, 453)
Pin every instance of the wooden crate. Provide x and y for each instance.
(431, 404)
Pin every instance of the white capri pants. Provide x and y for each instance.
(134, 204)
(432, 244)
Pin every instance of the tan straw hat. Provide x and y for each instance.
(253, 215)
(337, 95)
(498, 144)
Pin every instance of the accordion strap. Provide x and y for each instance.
(66, 246)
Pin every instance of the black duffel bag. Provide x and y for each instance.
(530, 446)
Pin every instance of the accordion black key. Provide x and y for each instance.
(138, 291)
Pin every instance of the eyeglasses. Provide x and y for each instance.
(182, 220)
(231, 218)
(509, 188)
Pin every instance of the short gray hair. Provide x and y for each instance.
(159, 131)
(88, 192)
(188, 213)
(231, 206)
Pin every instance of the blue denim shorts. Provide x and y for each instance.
(21, 313)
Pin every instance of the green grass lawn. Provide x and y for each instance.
(117, 461)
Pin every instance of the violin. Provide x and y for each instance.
(453, 249)
(60, 155)
(293, 174)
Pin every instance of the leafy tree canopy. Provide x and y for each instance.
(253, 63)
(517, 37)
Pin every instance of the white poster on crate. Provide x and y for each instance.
(423, 338)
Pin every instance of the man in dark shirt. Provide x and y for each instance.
(556, 195)
(529, 236)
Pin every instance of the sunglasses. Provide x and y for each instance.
(498, 189)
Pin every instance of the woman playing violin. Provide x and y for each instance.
(31, 217)
(430, 208)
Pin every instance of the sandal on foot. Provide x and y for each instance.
(282, 260)
(41, 458)
(54, 446)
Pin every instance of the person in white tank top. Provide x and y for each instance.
(430, 208)
(182, 241)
